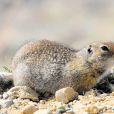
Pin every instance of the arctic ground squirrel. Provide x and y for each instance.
(47, 66)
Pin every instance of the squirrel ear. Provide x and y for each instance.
(89, 49)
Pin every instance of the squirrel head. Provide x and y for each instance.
(101, 55)
(100, 51)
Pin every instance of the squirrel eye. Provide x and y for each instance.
(105, 48)
(89, 49)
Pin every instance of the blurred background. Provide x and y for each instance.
(74, 22)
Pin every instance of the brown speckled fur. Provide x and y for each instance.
(47, 66)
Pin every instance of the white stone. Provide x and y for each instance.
(23, 92)
(30, 109)
(5, 95)
(6, 103)
(43, 111)
(65, 94)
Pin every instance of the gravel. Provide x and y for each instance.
(90, 103)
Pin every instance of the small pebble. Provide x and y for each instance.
(43, 111)
(70, 103)
(48, 111)
(113, 108)
(60, 111)
(7, 103)
(42, 101)
(65, 95)
(74, 101)
(92, 110)
(61, 107)
(112, 93)
(5, 96)
(29, 109)
(68, 108)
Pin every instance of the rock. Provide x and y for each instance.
(5, 95)
(65, 95)
(29, 109)
(61, 107)
(112, 93)
(43, 111)
(6, 103)
(60, 111)
(113, 108)
(78, 108)
(23, 92)
(42, 101)
(70, 104)
(92, 109)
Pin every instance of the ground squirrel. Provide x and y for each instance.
(47, 66)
